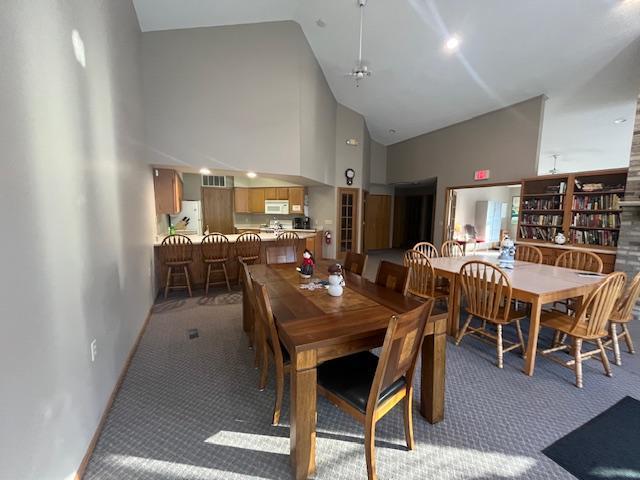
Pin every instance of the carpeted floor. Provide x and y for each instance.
(190, 409)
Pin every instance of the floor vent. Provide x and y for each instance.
(192, 333)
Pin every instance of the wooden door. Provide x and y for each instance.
(256, 200)
(217, 209)
(347, 230)
(399, 222)
(377, 222)
(241, 200)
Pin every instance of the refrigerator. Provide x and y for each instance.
(189, 220)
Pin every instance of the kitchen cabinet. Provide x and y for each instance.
(168, 188)
(217, 209)
(256, 200)
(282, 193)
(241, 200)
(296, 199)
(271, 193)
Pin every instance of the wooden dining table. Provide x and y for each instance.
(533, 283)
(315, 327)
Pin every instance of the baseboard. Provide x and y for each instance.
(94, 440)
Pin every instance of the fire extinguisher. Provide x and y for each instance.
(327, 237)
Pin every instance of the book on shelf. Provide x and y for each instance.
(550, 203)
(599, 220)
(596, 202)
(542, 220)
(606, 238)
(539, 233)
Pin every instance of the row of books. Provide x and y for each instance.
(606, 238)
(604, 220)
(542, 219)
(551, 203)
(539, 233)
(596, 202)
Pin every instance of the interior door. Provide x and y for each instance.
(377, 214)
(217, 209)
(347, 221)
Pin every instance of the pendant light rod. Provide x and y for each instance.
(362, 3)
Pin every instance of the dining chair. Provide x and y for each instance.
(452, 248)
(177, 253)
(528, 253)
(367, 387)
(422, 277)
(281, 254)
(580, 260)
(355, 263)
(588, 324)
(488, 294)
(288, 239)
(393, 276)
(268, 342)
(427, 248)
(621, 315)
(249, 308)
(215, 253)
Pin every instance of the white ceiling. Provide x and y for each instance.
(510, 50)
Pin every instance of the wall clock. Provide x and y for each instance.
(349, 173)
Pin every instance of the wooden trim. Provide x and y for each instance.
(116, 388)
(586, 173)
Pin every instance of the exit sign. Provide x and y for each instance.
(481, 175)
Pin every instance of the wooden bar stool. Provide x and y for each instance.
(215, 252)
(248, 248)
(177, 253)
(288, 239)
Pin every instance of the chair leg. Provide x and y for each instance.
(167, 283)
(521, 339)
(186, 276)
(500, 346)
(279, 394)
(206, 286)
(627, 337)
(613, 331)
(604, 358)
(463, 330)
(556, 339)
(264, 362)
(369, 448)
(226, 277)
(578, 357)
(408, 418)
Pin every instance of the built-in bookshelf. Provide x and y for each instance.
(584, 206)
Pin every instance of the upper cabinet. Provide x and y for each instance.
(251, 200)
(276, 193)
(296, 199)
(168, 191)
(256, 200)
(241, 200)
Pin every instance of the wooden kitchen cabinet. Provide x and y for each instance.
(282, 193)
(241, 200)
(256, 200)
(168, 187)
(296, 199)
(271, 193)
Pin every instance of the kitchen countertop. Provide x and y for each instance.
(265, 237)
(269, 229)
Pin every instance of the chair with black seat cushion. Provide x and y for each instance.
(367, 387)
(267, 341)
(393, 276)
(355, 263)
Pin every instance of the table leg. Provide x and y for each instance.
(432, 383)
(303, 423)
(534, 330)
(454, 307)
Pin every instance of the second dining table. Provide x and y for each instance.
(315, 327)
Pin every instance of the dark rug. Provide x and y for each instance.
(606, 447)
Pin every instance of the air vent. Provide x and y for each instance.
(213, 181)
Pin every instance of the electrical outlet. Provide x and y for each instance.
(94, 349)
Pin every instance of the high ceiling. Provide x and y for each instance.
(509, 50)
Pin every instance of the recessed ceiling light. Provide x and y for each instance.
(252, 174)
(205, 171)
(452, 43)
(392, 131)
(321, 23)
(618, 121)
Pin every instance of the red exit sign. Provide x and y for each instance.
(481, 175)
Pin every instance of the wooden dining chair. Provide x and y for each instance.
(422, 277)
(580, 260)
(393, 276)
(488, 293)
(268, 342)
(249, 309)
(367, 387)
(452, 248)
(288, 239)
(621, 315)
(588, 324)
(281, 254)
(355, 263)
(528, 253)
(215, 253)
(177, 255)
(427, 248)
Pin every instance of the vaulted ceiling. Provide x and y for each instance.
(509, 50)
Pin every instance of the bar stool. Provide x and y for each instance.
(177, 252)
(215, 253)
(248, 248)
(288, 239)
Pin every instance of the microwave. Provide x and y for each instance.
(276, 207)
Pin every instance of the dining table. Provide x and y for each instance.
(533, 283)
(315, 327)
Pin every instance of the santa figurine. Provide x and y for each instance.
(306, 269)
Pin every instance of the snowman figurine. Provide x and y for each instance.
(336, 281)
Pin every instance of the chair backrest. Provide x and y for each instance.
(285, 239)
(580, 260)
(248, 245)
(176, 248)
(264, 315)
(215, 246)
(281, 254)
(623, 310)
(427, 248)
(248, 282)
(596, 310)
(355, 262)
(393, 276)
(486, 289)
(421, 274)
(528, 253)
(400, 349)
(452, 248)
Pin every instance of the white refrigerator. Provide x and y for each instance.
(189, 220)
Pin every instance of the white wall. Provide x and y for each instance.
(77, 256)
(378, 163)
(323, 211)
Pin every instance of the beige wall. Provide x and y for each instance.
(505, 141)
(81, 223)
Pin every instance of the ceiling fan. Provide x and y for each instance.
(360, 71)
(554, 170)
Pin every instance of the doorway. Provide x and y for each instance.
(347, 230)
(413, 214)
(377, 221)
